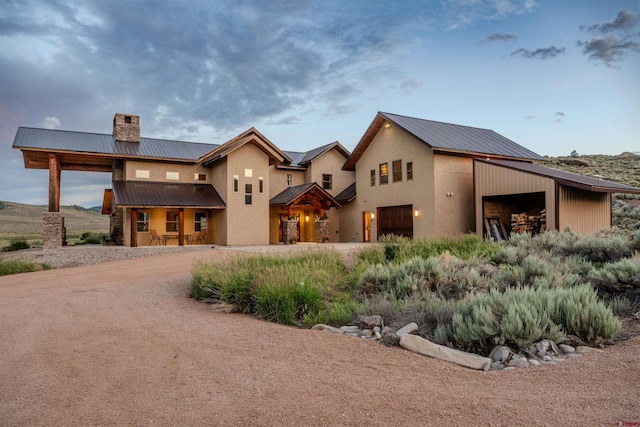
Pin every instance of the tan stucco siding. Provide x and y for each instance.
(388, 145)
(278, 179)
(583, 211)
(454, 211)
(350, 223)
(492, 180)
(219, 179)
(247, 224)
(158, 171)
(330, 163)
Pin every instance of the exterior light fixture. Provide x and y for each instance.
(416, 213)
(306, 217)
(373, 216)
(387, 125)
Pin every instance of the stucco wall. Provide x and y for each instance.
(278, 180)
(330, 163)
(453, 194)
(219, 180)
(157, 171)
(388, 145)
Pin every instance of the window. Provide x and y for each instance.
(174, 176)
(248, 173)
(200, 221)
(142, 173)
(409, 171)
(235, 183)
(373, 177)
(289, 179)
(397, 170)
(384, 173)
(260, 185)
(172, 221)
(127, 119)
(248, 189)
(143, 221)
(327, 181)
(200, 177)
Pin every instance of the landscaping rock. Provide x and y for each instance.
(583, 349)
(519, 362)
(567, 349)
(411, 328)
(420, 345)
(369, 322)
(366, 333)
(573, 341)
(323, 327)
(500, 353)
(534, 362)
(390, 338)
(351, 329)
(546, 358)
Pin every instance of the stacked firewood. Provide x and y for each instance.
(523, 223)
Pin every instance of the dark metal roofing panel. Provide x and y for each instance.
(163, 194)
(290, 194)
(312, 154)
(296, 157)
(451, 137)
(347, 195)
(566, 178)
(83, 142)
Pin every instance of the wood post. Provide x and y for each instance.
(54, 183)
(181, 227)
(134, 228)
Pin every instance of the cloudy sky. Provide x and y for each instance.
(554, 76)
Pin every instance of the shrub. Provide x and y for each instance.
(16, 245)
(287, 304)
(621, 276)
(15, 267)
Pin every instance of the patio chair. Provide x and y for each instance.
(200, 237)
(154, 237)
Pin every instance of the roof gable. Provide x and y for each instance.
(303, 159)
(444, 137)
(298, 194)
(249, 136)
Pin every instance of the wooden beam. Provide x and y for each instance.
(54, 183)
(87, 168)
(134, 227)
(181, 227)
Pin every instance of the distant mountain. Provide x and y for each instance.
(623, 168)
(96, 209)
(18, 218)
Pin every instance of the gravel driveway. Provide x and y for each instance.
(120, 343)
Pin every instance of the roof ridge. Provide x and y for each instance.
(435, 121)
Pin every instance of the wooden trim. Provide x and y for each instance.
(181, 227)
(54, 183)
(134, 228)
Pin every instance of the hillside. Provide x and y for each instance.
(20, 219)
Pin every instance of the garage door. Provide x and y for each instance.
(396, 220)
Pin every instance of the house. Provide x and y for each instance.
(406, 176)
(421, 178)
(172, 192)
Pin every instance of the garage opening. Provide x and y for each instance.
(518, 213)
(397, 220)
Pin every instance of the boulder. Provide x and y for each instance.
(583, 349)
(323, 327)
(350, 329)
(370, 322)
(573, 341)
(500, 353)
(420, 345)
(366, 333)
(567, 349)
(411, 328)
(534, 362)
(519, 362)
(390, 338)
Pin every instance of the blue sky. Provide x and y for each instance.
(554, 76)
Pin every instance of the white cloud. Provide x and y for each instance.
(51, 122)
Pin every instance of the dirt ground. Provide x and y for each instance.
(122, 344)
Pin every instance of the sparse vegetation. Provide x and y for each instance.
(15, 267)
(16, 245)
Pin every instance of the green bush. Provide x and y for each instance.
(15, 267)
(16, 245)
(287, 304)
(621, 276)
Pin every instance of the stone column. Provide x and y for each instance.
(289, 231)
(322, 231)
(53, 231)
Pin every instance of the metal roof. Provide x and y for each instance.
(566, 178)
(347, 195)
(291, 194)
(453, 137)
(84, 142)
(163, 194)
(301, 159)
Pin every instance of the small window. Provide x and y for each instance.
(289, 179)
(327, 181)
(384, 173)
(172, 221)
(260, 185)
(143, 221)
(397, 170)
(248, 173)
(409, 171)
(373, 177)
(236, 183)
(142, 173)
(127, 119)
(200, 177)
(248, 189)
(174, 176)
(200, 221)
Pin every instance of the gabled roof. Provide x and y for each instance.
(144, 194)
(249, 136)
(566, 178)
(61, 141)
(291, 195)
(302, 159)
(444, 137)
(347, 195)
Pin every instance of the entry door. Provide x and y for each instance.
(396, 220)
(366, 226)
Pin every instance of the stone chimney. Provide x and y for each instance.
(126, 127)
